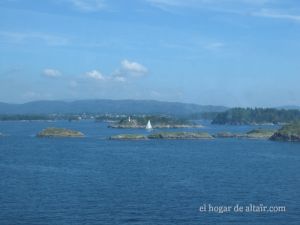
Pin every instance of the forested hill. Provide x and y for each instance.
(239, 116)
(108, 106)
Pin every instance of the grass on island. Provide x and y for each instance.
(291, 129)
(253, 134)
(259, 133)
(59, 132)
(225, 134)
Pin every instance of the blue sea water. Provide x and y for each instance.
(161, 182)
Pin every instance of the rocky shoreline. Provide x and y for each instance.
(289, 132)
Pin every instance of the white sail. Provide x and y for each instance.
(149, 126)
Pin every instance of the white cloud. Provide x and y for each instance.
(128, 70)
(51, 73)
(88, 5)
(277, 15)
(199, 3)
(133, 68)
(95, 74)
(241, 7)
(116, 76)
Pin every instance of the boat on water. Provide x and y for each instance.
(149, 126)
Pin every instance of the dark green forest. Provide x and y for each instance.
(238, 116)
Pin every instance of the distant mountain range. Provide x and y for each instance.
(108, 106)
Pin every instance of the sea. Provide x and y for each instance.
(96, 181)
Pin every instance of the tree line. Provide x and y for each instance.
(238, 116)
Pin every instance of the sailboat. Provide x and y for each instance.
(149, 126)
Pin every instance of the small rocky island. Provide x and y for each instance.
(227, 134)
(164, 135)
(128, 137)
(180, 135)
(260, 134)
(140, 122)
(290, 132)
(59, 132)
(253, 134)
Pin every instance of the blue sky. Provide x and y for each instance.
(218, 52)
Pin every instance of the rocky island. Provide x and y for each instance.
(227, 135)
(180, 135)
(163, 135)
(290, 132)
(128, 137)
(59, 132)
(253, 134)
(140, 122)
(260, 134)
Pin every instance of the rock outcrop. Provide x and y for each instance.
(290, 132)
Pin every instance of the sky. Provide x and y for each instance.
(208, 52)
